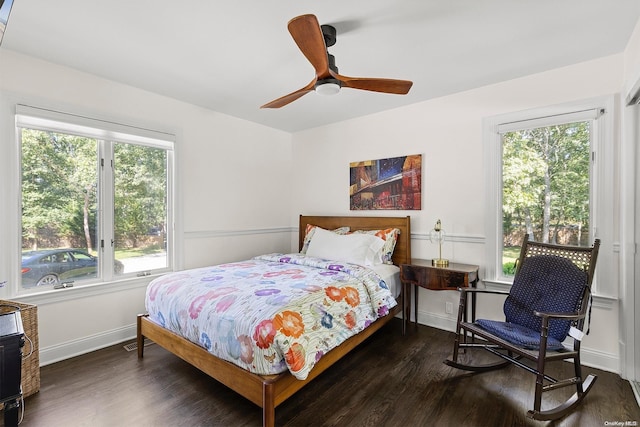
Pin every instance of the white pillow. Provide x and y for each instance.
(362, 249)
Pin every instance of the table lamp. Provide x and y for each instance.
(438, 235)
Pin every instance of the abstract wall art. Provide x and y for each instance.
(386, 184)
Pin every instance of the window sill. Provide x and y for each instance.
(84, 291)
(599, 301)
(497, 285)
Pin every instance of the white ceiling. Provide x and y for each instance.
(234, 56)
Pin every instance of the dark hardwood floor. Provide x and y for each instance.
(390, 380)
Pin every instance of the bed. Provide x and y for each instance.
(270, 390)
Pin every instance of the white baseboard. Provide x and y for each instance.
(600, 360)
(84, 345)
(443, 322)
(589, 356)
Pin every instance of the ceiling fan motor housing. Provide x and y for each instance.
(332, 85)
(332, 63)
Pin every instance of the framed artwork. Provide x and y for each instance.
(386, 184)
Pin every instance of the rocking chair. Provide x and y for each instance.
(548, 300)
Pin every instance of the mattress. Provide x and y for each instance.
(391, 275)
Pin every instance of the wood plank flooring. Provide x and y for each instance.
(390, 380)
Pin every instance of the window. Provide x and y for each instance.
(543, 180)
(95, 200)
(545, 187)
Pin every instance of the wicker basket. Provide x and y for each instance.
(30, 363)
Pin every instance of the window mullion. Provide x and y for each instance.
(105, 210)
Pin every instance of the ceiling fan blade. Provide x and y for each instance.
(399, 87)
(284, 100)
(307, 34)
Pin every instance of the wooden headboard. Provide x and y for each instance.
(402, 252)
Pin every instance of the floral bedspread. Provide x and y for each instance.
(270, 313)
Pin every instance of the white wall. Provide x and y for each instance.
(448, 133)
(232, 187)
(241, 186)
(632, 60)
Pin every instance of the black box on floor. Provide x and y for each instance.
(11, 343)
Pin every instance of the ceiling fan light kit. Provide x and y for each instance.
(313, 40)
(327, 87)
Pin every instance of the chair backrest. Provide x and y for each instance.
(550, 278)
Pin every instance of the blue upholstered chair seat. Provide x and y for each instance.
(518, 335)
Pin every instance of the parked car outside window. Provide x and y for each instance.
(53, 266)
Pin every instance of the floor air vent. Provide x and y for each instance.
(134, 345)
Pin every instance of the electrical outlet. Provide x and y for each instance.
(448, 307)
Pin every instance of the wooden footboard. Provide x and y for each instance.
(266, 391)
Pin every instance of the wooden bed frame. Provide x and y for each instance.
(269, 391)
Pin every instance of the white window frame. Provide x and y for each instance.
(602, 182)
(110, 132)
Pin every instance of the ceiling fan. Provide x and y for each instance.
(313, 40)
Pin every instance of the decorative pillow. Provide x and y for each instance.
(310, 230)
(353, 248)
(390, 237)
